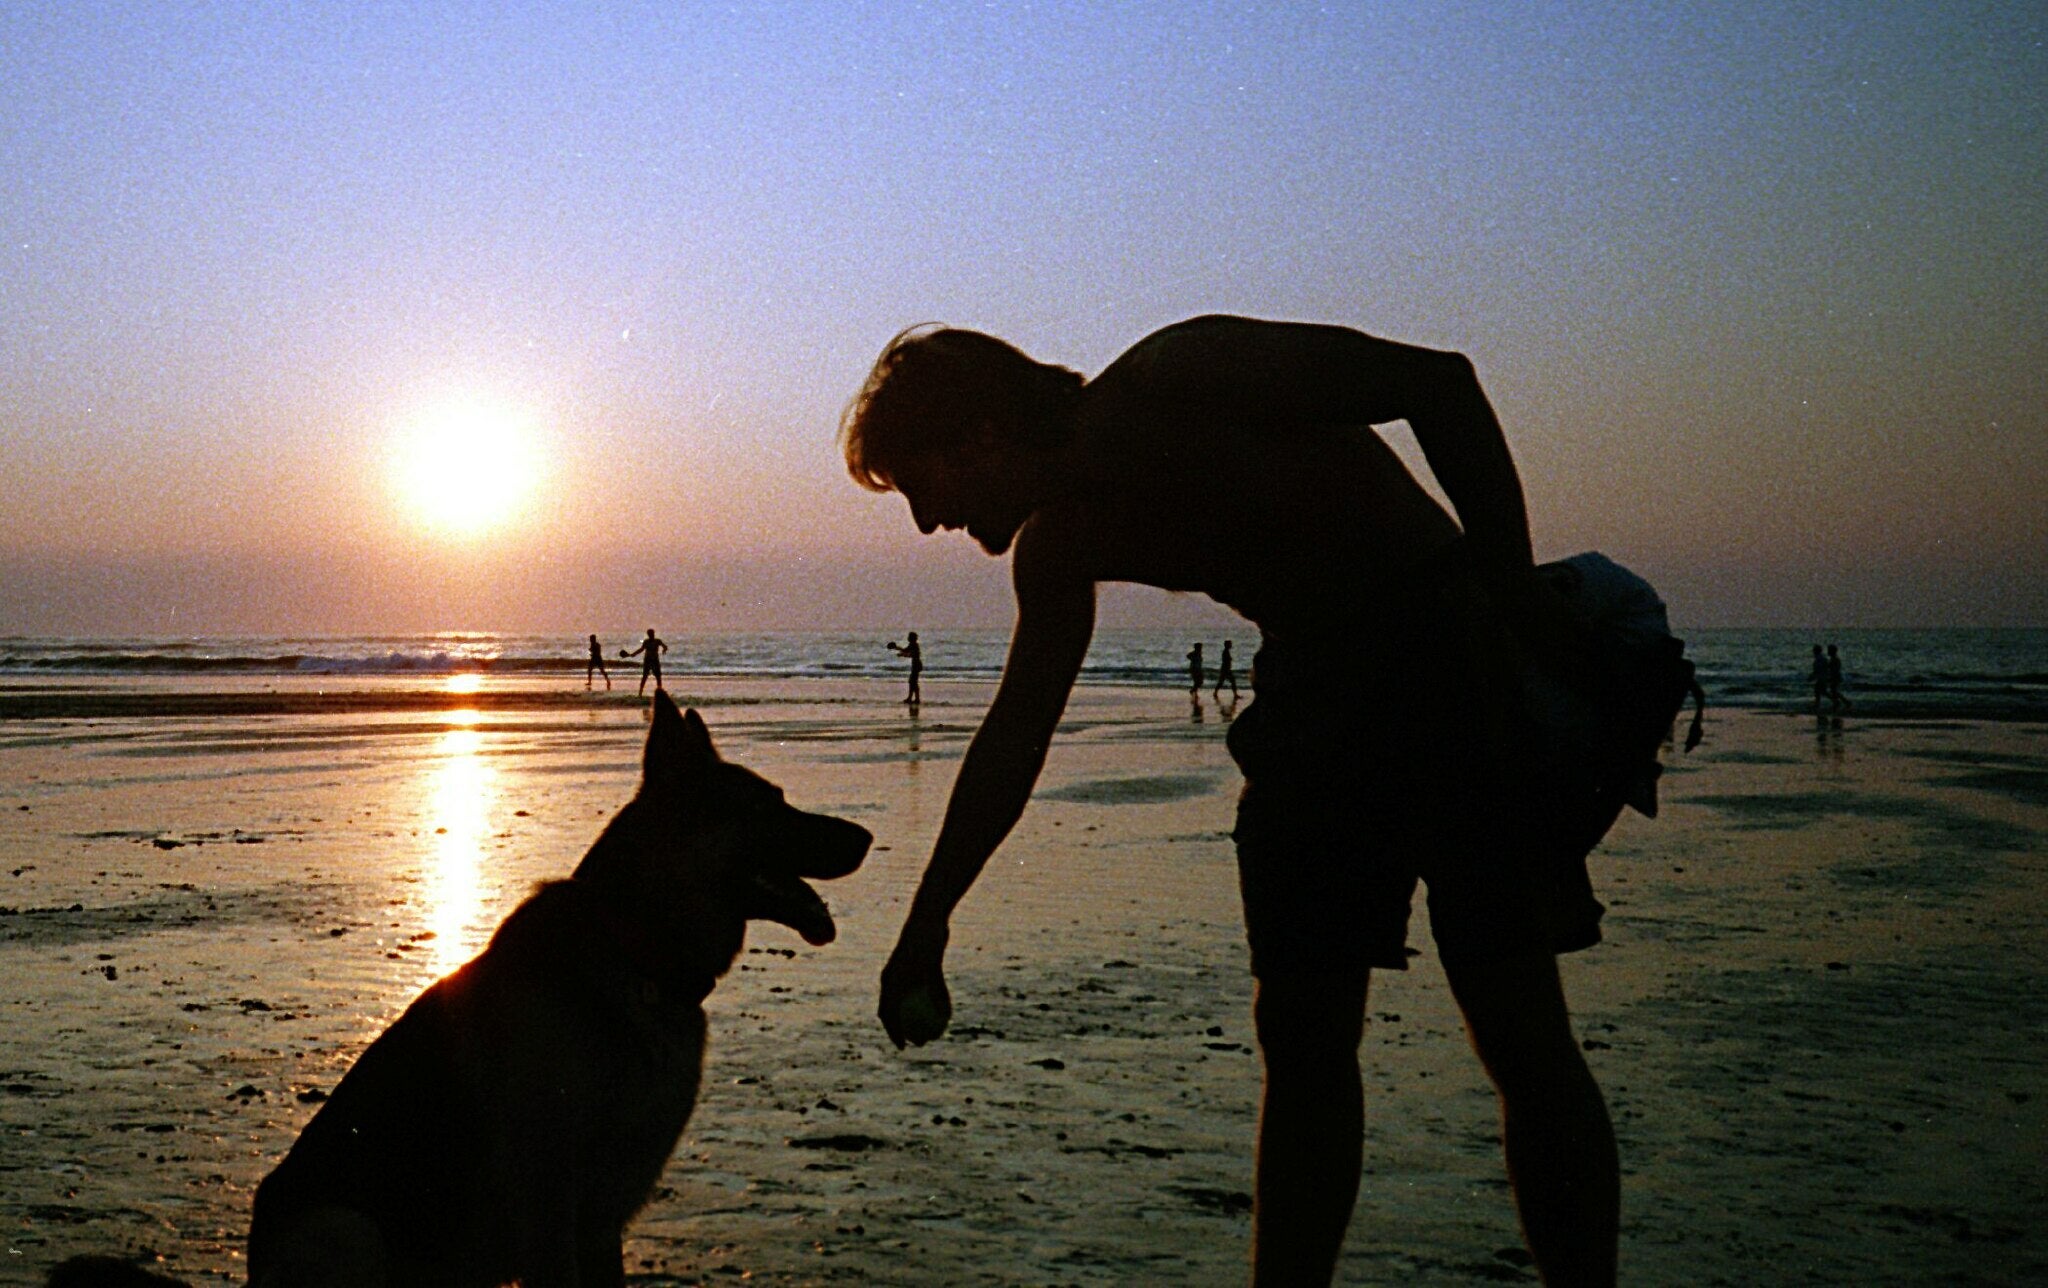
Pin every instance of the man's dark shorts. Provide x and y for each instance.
(1389, 760)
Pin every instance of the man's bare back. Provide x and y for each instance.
(1304, 506)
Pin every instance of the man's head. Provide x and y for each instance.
(953, 419)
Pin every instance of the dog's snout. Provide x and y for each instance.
(829, 847)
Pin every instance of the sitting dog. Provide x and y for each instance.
(518, 1115)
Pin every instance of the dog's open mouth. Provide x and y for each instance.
(788, 901)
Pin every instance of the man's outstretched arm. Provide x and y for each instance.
(1055, 619)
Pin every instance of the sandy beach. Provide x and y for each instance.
(1820, 1014)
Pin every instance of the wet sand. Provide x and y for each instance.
(1820, 1014)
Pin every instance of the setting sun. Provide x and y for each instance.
(467, 468)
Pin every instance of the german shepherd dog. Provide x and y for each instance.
(518, 1115)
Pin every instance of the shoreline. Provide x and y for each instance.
(213, 696)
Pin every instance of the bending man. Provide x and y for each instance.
(1375, 750)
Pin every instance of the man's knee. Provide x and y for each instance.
(1515, 1011)
(1306, 1019)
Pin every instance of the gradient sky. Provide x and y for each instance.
(1758, 290)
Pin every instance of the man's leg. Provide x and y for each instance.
(1311, 1125)
(1560, 1145)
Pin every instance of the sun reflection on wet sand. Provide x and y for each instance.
(464, 790)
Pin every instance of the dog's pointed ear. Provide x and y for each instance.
(678, 744)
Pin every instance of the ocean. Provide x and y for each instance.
(1949, 672)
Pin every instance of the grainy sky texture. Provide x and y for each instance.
(1758, 290)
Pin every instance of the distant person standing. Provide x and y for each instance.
(595, 666)
(1820, 678)
(1834, 681)
(911, 653)
(1226, 673)
(1195, 669)
(649, 653)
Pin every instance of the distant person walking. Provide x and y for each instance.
(1226, 673)
(1195, 669)
(1835, 681)
(911, 653)
(595, 666)
(1820, 678)
(649, 653)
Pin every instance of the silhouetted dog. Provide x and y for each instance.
(519, 1113)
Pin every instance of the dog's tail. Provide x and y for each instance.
(107, 1272)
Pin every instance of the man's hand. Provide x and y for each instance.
(915, 1006)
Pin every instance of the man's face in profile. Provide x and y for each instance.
(972, 486)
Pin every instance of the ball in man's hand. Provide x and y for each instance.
(924, 1016)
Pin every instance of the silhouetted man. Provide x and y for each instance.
(596, 664)
(1820, 679)
(1226, 673)
(1195, 668)
(649, 653)
(1375, 750)
(910, 652)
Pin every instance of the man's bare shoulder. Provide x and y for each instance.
(1058, 548)
(1183, 348)
(1239, 360)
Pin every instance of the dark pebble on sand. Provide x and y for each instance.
(843, 1142)
(166, 843)
(1050, 1063)
(1838, 965)
(311, 1096)
(252, 1004)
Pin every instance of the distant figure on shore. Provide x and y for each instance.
(596, 664)
(1226, 673)
(649, 653)
(1835, 696)
(910, 652)
(1195, 669)
(1820, 678)
(1377, 749)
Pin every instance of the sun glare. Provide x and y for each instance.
(467, 469)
